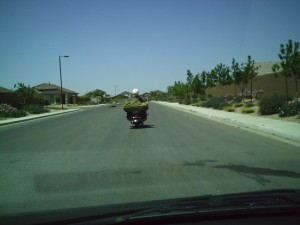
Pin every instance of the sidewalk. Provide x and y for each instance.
(67, 109)
(34, 116)
(283, 129)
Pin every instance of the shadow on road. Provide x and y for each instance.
(256, 173)
(259, 171)
(199, 162)
(142, 127)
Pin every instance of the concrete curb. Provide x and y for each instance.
(282, 129)
(33, 117)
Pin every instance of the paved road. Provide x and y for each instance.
(93, 157)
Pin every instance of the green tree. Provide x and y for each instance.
(296, 68)
(179, 90)
(289, 65)
(222, 76)
(203, 78)
(197, 86)
(194, 85)
(95, 93)
(249, 73)
(211, 79)
(23, 93)
(157, 95)
(244, 79)
(189, 79)
(236, 74)
(241, 75)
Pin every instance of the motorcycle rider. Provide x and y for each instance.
(135, 95)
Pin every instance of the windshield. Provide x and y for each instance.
(125, 101)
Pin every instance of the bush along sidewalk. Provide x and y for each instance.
(247, 109)
(289, 109)
(37, 109)
(276, 104)
(215, 103)
(7, 111)
(269, 105)
(279, 104)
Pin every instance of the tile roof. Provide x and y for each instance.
(48, 86)
(5, 90)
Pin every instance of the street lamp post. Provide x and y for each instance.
(116, 90)
(61, 94)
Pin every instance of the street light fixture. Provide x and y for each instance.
(61, 94)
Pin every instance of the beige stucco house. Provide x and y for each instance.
(52, 93)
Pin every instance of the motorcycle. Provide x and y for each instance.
(137, 118)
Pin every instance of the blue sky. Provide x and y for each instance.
(145, 44)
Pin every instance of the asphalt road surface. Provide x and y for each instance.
(93, 157)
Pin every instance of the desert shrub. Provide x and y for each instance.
(37, 109)
(269, 105)
(196, 104)
(53, 107)
(216, 103)
(194, 100)
(223, 104)
(247, 109)
(205, 104)
(9, 111)
(229, 108)
(229, 97)
(249, 104)
(237, 99)
(238, 104)
(289, 109)
(185, 101)
(203, 98)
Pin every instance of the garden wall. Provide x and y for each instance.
(269, 84)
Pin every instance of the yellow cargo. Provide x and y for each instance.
(135, 105)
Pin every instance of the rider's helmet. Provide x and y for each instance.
(135, 91)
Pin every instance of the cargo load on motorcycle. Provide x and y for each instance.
(136, 109)
(135, 105)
